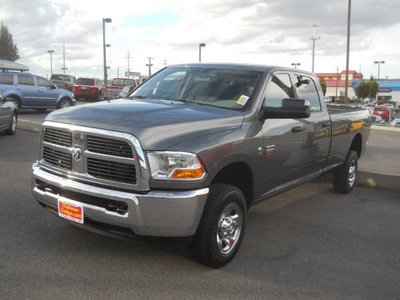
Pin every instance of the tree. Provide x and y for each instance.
(8, 50)
(372, 88)
(323, 85)
(367, 89)
(362, 90)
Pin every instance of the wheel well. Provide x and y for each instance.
(240, 176)
(16, 98)
(356, 145)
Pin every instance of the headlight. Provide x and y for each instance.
(175, 166)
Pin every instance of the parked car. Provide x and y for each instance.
(31, 91)
(64, 81)
(377, 120)
(125, 91)
(89, 88)
(396, 121)
(113, 90)
(8, 116)
(383, 111)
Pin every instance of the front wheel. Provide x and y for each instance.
(344, 177)
(221, 228)
(13, 125)
(64, 102)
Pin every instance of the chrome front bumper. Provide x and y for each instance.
(163, 214)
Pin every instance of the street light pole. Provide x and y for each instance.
(51, 61)
(347, 51)
(379, 69)
(201, 45)
(64, 68)
(295, 65)
(105, 20)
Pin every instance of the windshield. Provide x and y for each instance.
(221, 87)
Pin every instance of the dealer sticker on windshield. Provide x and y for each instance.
(70, 210)
(242, 100)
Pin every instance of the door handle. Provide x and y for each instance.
(326, 124)
(297, 128)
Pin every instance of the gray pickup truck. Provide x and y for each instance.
(63, 81)
(191, 150)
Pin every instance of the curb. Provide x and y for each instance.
(29, 125)
(378, 181)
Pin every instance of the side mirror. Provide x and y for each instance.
(291, 108)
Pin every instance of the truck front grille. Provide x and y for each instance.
(95, 156)
(108, 146)
(111, 170)
(58, 137)
(57, 158)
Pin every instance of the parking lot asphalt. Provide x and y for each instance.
(379, 167)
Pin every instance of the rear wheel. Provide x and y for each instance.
(221, 228)
(345, 176)
(13, 125)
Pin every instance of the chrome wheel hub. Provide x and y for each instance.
(229, 228)
(352, 173)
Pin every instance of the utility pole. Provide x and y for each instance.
(149, 65)
(313, 38)
(165, 62)
(128, 57)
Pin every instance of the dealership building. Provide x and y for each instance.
(336, 85)
(388, 89)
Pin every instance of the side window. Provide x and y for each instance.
(43, 82)
(25, 80)
(6, 79)
(307, 90)
(279, 87)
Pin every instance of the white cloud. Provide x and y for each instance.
(254, 31)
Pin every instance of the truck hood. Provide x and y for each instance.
(158, 125)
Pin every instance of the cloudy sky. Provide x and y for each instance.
(271, 32)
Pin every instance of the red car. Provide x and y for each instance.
(383, 111)
(89, 88)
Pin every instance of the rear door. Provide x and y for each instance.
(317, 128)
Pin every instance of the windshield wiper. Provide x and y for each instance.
(139, 97)
(181, 100)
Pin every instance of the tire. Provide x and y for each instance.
(13, 125)
(221, 229)
(64, 102)
(345, 176)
